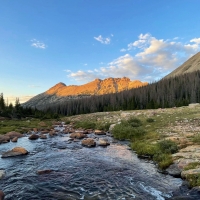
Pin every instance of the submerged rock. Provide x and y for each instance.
(89, 142)
(45, 171)
(2, 173)
(2, 195)
(42, 136)
(17, 151)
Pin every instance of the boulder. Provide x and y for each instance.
(33, 137)
(45, 171)
(17, 151)
(77, 135)
(2, 174)
(174, 170)
(89, 142)
(99, 132)
(4, 139)
(42, 136)
(14, 139)
(2, 195)
(103, 142)
(14, 134)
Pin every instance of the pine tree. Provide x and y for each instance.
(2, 102)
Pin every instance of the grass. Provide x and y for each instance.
(193, 179)
(192, 166)
(196, 139)
(130, 129)
(22, 125)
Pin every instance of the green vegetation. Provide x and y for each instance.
(193, 179)
(196, 139)
(85, 124)
(159, 152)
(130, 129)
(133, 130)
(192, 165)
(23, 125)
(150, 120)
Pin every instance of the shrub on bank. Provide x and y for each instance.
(167, 146)
(125, 130)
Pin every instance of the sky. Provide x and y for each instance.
(45, 42)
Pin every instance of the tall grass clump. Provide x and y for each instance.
(160, 152)
(129, 130)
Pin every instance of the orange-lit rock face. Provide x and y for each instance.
(97, 87)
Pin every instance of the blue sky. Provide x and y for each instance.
(75, 41)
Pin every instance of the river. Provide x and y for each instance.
(78, 172)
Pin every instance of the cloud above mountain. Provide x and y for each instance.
(147, 58)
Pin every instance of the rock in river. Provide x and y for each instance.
(77, 135)
(99, 132)
(4, 139)
(89, 142)
(13, 134)
(14, 139)
(33, 137)
(174, 170)
(103, 142)
(17, 151)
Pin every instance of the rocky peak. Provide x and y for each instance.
(96, 87)
(55, 88)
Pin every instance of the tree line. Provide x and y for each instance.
(17, 111)
(176, 91)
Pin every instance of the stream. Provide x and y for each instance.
(111, 172)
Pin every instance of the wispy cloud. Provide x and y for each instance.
(37, 44)
(34, 86)
(103, 40)
(154, 59)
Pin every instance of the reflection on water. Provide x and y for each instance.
(81, 173)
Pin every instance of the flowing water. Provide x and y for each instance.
(113, 172)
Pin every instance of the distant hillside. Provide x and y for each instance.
(60, 92)
(191, 65)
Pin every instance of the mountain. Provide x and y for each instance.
(60, 92)
(191, 65)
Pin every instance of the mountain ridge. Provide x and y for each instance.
(61, 92)
(191, 65)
